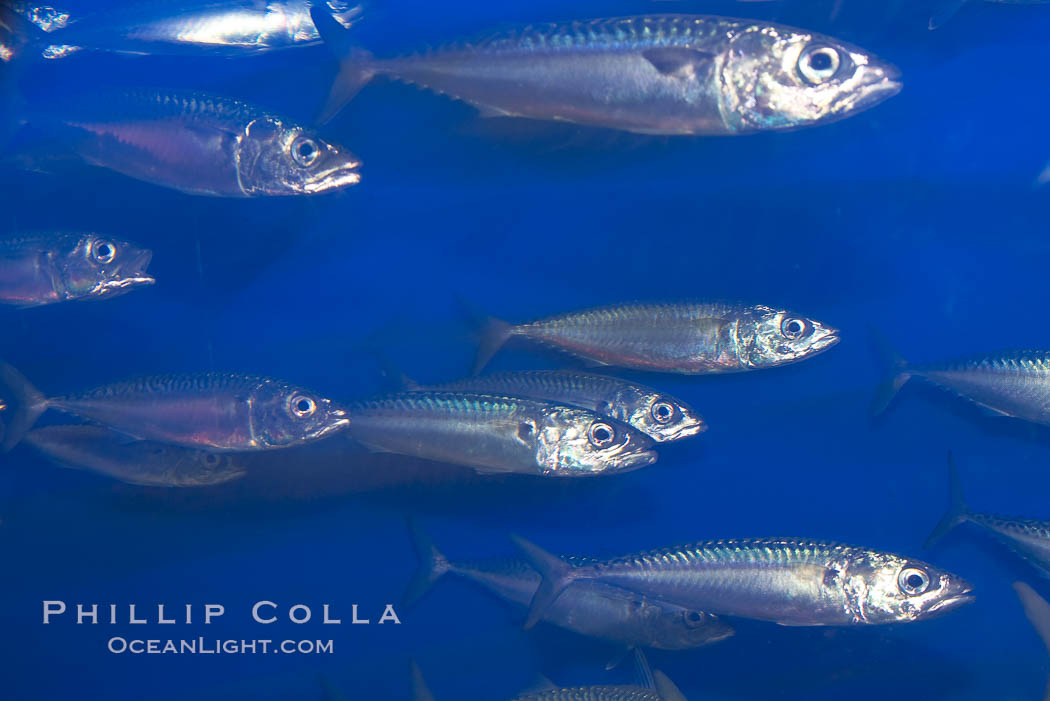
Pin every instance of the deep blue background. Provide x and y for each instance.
(917, 217)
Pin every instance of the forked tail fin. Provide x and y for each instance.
(898, 374)
(957, 512)
(355, 64)
(26, 402)
(557, 575)
(432, 564)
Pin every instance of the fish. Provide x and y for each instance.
(656, 414)
(144, 463)
(499, 434)
(788, 581)
(591, 609)
(214, 411)
(1028, 538)
(1037, 610)
(48, 268)
(649, 74)
(209, 27)
(1010, 383)
(690, 338)
(947, 9)
(195, 143)
(653, 685)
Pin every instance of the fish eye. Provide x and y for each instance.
(302, 406)
(693, 618)
(601, 434)
(662, 412)
(819, 64)
(211, 458)
(305, 151)
(913, 581)
(103, 252)
(793, 328)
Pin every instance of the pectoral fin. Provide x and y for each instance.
(677, 61)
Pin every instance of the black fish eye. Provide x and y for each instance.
(103, 252)
(662, 412)
(302, 406)
(793, 328)
(211, 458)
(602, 434)
(694, 616)
(913, 581)
(819, 64)
(305, 151)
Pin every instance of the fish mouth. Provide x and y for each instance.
(885, 84)
(686, 431)
(108, 288)
(635, 461)
(334, 179)
(951, 602)
(341, 421)
(827, 341)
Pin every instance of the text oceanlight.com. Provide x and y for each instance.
(203, 646)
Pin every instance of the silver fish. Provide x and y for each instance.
(49, 268)
(1037, 610)
(788, 581)
(499, 434)
(691, 338)
(1009, 383)
(195, 143)
(656, 414)
(948, 8)
(650, 74)
(230, 28)
(655, 686)
(1028, 538)
(592, 609)
(220, 412)
(146, 463)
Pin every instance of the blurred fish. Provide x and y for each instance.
(651, 74)
(691, 338)
(230, 28)
(1014, 383)
(494, 433)
(146, 463)
(592, 609)
(947, 9)
(1028, 538)
(658, 415)
(49, 268)
(223, 412)
(1037, 610)
(195, 143)
(787, 581)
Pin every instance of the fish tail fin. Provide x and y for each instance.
(420, 690)
(944, 11)
(432, 564)
(557, 575)
(29, 404)
(493, 335)
(897, 376)
(957, 512)
(355, 64)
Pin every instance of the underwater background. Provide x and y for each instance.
(918, 218)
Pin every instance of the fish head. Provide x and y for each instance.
(99, 267)
(677, 628)
(278, 159)
(283, 415)
(886, 588)
(213, 468)
(575, 442)
(660, 416)
(774, 337)
(777, 77)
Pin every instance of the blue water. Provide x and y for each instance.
(917, 217)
